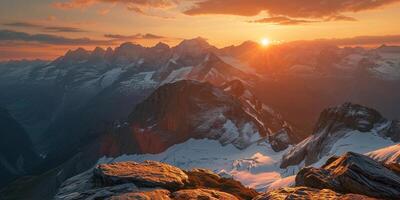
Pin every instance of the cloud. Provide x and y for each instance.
(288, 8)
(364, 40)
(10, 35)
(154, 8)
(22, 24)
(70, 4)
(134, 37)
(282, 20)
(64, 29)
(340, 18)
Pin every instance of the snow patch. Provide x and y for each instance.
(262, 162)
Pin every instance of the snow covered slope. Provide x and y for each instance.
(256, 166)
(182, 110)
(348, 127)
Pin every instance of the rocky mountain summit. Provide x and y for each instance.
(150, 180)
(338, 123)
(186, 109)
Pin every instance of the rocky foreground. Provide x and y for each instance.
(151, 180)
(351, 176)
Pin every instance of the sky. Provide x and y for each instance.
(46, 29)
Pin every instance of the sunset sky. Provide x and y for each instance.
(47, 28)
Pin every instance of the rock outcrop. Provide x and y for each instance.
(147, 174)
(352, 173)
(202, 194)
(306, 193)
(389, 157)
(150, 180)
(333, 124)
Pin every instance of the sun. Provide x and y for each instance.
(265, 42)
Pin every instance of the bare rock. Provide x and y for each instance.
(352, 173)
(389, 157)
(200, 178)
(150, 180)
(96, 193)
(306, 193)
(156, 194)
(146, 174)
(206, 194)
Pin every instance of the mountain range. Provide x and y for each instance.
(244, 112)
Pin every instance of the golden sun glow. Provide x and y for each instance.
(265, 42)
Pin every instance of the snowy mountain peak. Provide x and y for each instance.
(204, 112)
(179, 111)
(195, 42)
(196, 46)
(78, 54)
(348, 127)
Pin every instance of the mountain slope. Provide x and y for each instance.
(177, 112)
(388, 156)
(17, 155)
(348, 127)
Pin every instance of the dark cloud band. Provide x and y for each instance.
(60, 29)
(10, 35)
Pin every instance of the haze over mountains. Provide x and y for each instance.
(257, 114)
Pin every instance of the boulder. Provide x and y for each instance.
(200, 178)
(206, 194)
(150, 180)
(146, 174)
(352, 173)
(152, 194)
(306, 193)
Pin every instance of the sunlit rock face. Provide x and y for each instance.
(352, 173)
(338, 123)
(389, 157)
(305, 193)
(202, 194)
(147, 174)
(150, 180)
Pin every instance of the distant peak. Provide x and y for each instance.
(78, 54)
(98, 49)
(128, 44)
(199, 41)
(161, 45)
(249, 43)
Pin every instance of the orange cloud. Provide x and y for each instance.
(282, 20)
(86, 3)
(289, 8)
(363, 40)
